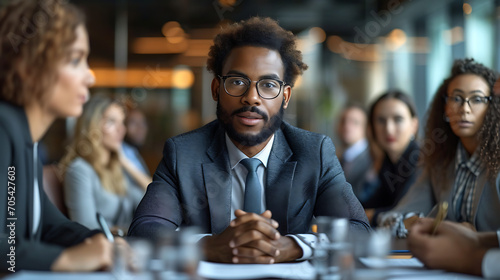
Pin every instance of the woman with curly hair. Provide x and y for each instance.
(43, 60)
(461, 151)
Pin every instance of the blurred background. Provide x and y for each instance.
(152, 54)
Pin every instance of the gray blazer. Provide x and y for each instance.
(192, 184)
(85, 196)
(429, 190)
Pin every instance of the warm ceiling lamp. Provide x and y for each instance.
(182, 78)
(467, 9)
(227, 3)
(318, 34)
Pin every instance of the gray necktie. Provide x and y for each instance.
(252, 186)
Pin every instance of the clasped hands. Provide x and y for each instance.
(251, 238)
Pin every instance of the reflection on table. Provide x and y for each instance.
(409, 268)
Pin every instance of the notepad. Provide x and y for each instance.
(296, 270)
(391, 263)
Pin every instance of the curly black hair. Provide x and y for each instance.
(259, 32)
(439, 135)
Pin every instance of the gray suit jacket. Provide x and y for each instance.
(192, 184)
(429, 190)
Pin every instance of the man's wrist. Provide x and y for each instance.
(291, 251)
(204, 244)
(489, 239)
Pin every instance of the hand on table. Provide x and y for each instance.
(453, 248)
(94, 253)
(251, 238)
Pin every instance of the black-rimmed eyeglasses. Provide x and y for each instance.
(475, 102)
(267, 88)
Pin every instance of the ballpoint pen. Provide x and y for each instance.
(441, 215)
(104, 227)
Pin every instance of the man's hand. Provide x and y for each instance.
(250, 238)
(453, 248)
(286, 247)
(94, 253)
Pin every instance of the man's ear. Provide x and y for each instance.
(215, 87)
(287, 94)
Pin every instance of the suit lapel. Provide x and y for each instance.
(29, 190)
(481, 181)
(279, 180)
(217, 179)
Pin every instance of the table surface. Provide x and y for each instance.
(397, 269)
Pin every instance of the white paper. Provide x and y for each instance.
(435, 276)
(298, 270)
(391, 263)
(46, 275)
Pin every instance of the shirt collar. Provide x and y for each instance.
(235, 155)
(355, 150)
(473, 163)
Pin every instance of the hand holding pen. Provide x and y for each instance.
(123, 251)
(441, 215)
(104, 227)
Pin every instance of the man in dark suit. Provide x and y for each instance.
(356, 160)
(204, 178)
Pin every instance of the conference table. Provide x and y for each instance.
(398, 265)
(407, 268)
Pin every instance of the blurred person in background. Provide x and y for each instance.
(461, 152)
(135, 136)
(45, 76)
(356, 160)
(394, 126)
(456, 248)
(94, 180)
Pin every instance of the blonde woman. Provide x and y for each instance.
(94, 179)
(44, 76)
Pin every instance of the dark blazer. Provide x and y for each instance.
(56, 232)
(356, 172)
(394, 181)
(192, 184)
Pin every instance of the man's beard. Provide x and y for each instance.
(270, 125)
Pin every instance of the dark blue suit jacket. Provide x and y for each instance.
(192, 184)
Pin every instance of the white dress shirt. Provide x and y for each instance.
(36, 191)
(491, 261)
(239, 174)
(355, 150)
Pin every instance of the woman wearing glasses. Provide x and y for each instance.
(461, 152)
